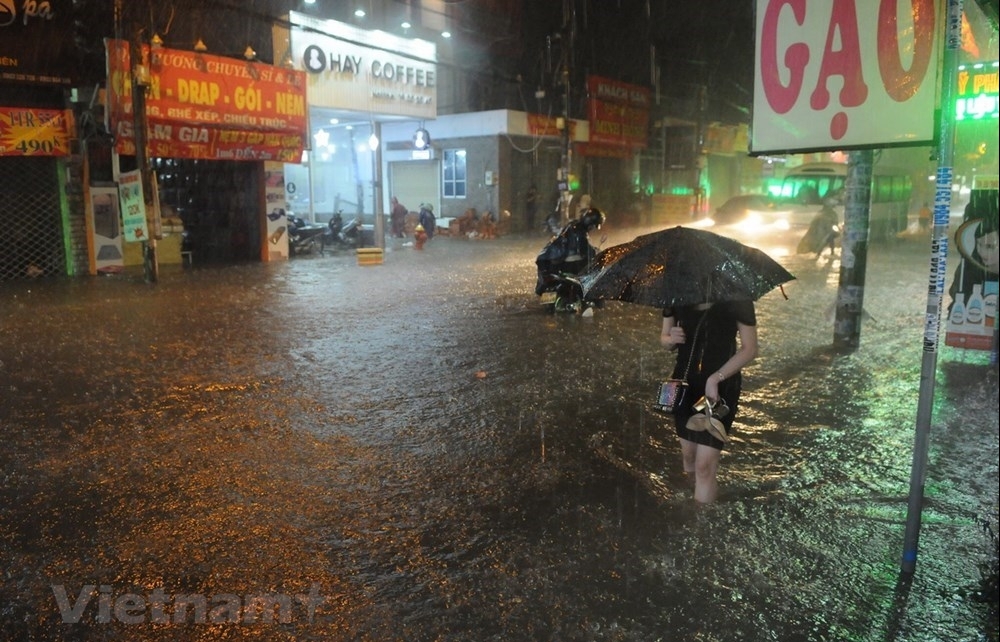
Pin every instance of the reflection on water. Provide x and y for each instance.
(444, 461)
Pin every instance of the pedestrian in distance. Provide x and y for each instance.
(924, 217)
(705, 338)
(397, 218)
(823, 232)
(530, 207)
(428, 220)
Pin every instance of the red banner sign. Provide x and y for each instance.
(619, 112)
(203, 106)
(539, 125)
(25, 131)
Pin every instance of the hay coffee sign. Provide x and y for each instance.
(360, 70)
(841, 74)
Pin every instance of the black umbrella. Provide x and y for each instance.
(682, 266)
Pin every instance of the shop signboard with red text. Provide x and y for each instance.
(26, 131)
(619, 113)
(835, 75)
(210, 107)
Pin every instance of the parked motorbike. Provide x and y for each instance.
(340, 235)
(302, 236)
(566, 256)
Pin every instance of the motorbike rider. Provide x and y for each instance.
(570, 252)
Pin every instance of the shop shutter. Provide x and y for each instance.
(32, 242)
(416, 182)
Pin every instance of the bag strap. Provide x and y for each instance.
(694, 342)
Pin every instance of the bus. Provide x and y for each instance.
(805, 188)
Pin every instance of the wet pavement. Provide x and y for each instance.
(417, 451)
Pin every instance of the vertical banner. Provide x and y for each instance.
(972, 314)
(106, 226)
(276, 225)
(133, 207)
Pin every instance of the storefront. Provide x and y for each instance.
(36, 130)
(220, 130)
(358, 81)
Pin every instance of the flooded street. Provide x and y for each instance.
(417, 451)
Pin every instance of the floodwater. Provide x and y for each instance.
(418, 452)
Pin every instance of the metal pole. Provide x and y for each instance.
(700, 157)
(567, 61)
(853, 252)
(939, 256)
(379, 228)
(140, 80)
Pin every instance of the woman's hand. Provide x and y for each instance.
(671, 335)
(712, 389)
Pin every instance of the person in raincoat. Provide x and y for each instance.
(569, 252)
(823, 231)
(705, 338)
(397, 218)
(428, 220)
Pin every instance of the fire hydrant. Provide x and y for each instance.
(419, 237)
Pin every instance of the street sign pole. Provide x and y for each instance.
(854, 251)
(935, 292)
(140, 81)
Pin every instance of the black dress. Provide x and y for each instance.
(711, 346)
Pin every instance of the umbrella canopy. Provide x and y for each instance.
(682, 266)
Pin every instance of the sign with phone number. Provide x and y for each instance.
(201, 141)
(189, 87)
(26, 131)
(204, 106)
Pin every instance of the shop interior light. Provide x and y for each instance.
(200, 45)
(249, 53)
(405, 25)
(446, 34)
(322, 138)
(359, 13)
(156, 42)
(373, 142)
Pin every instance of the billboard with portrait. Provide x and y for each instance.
(972, 312)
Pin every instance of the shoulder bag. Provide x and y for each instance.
(673, 392)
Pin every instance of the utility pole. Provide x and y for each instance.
(568, 41)
(700, 157)
(140, 81)
(944, 184)
(854, 251)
